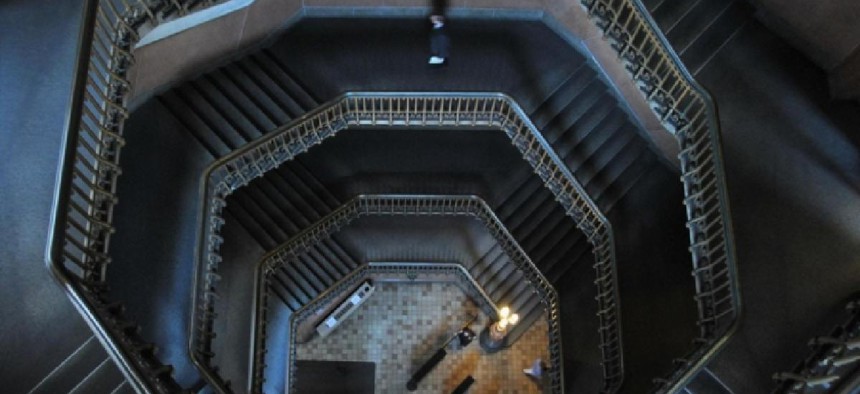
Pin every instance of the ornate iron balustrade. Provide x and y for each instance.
(688, 111)
(89, 167)
(401, 205)
(833, 360)
(487, 110)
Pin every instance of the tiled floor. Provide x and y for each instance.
(402, 325)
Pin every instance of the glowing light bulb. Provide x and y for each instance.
(513, 319)
(504, 313)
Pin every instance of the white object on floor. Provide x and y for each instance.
(536, 371)
(349, 305)
(436, 60)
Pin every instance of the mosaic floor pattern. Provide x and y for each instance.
(401, 325)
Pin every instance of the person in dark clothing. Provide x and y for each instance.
(440, 44)
(465, 336)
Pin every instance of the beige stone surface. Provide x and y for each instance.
(182, 54)
(266, 17)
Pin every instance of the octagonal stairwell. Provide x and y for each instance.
(182, 130)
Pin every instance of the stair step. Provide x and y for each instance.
(291, 189)
(507, 292)
(629, 156)
(561, 254)
(288, 291)
(585, 125)
(669, 12)
(320, 192)
(298, 101)
(527, 319)
(310, 271)
(589, 170)
(198, 127)
(518, 198)
(270, 209)
(240, 215)
(585, 102)
(580, 253)
(528, 211)
(216, 99)
(705, 382)
(700, 51)
(694, 22)
(541, 218)
(650, 5)
(69, 373)
(557, 225)
(486, 261)
(618, 188)
(217, 124)
(562, 95)
(341, 263)
(259, 216)
(536, 92)
(270, 87)
(293, 281)
(322, 267)
(266, 106)
(608, 129)
(103, 379)
(123, 388)
(502, 271)
(289, 210)
(303, 95)
(252, 107)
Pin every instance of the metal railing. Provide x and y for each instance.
(402, 205)
(81, 222)
(485, 110)
(834, 359)
(688, 111)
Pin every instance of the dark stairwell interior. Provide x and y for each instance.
(791, 157)
(226, 108)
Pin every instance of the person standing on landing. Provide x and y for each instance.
(439, 41)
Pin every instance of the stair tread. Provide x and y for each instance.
(296, 283)
(270, 87)
(593, 95)
(218, 126)
(563, 96)
(245, 220)
(669, 12)
(194, 124)
(268, 115)
(69, 373)
(605, 131)
(527, 319)
(694, 22)
(308, 99)
(587, 124)
(104, 378)
(696, 55)
(234, 117)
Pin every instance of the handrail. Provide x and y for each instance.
(402, 205)
(687, 110)
(402, 109)
(85, 193)
(833, 360)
